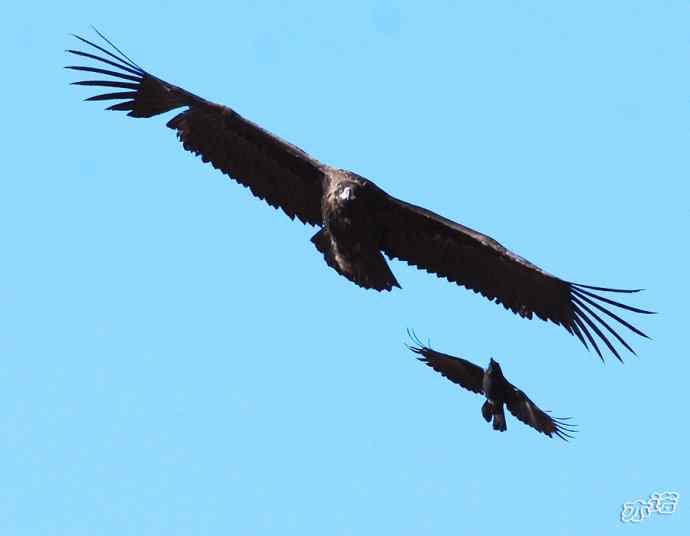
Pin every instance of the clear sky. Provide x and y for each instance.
(178, 359)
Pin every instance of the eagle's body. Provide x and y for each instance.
(359, 221)
(349, 238)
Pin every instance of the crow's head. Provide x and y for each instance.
(494, 366)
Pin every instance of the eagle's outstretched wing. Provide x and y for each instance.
(478, 262)
(524, 409)
(274, 170)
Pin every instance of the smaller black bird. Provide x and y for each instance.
(498, 391)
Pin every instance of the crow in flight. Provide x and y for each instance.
(358, 221)
(498, 391)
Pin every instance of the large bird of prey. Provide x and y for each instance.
(358, 221)
(498, 392)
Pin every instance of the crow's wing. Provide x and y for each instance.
(527, 411)
(456, 369)
(274, 170)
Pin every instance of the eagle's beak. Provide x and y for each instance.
(347, 194)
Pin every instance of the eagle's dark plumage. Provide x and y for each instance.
(498, 392)
(359, 221)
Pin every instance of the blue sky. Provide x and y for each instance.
(178, 359)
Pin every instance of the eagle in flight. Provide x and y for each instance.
(498, 392)
(358, 221)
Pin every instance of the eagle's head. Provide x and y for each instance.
(346, 194)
